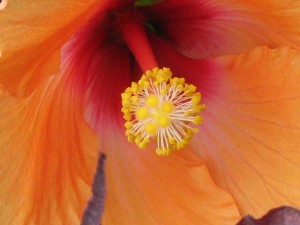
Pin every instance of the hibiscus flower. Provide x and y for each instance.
(63, 67)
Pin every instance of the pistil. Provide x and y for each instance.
(162, 109)
(131, 26)
(157, 108)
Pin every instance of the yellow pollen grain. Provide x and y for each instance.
(198, 120)
(162, 109)
(196, 99)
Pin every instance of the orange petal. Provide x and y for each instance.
(250, 137)
(143, 188)
(48, 156)
(32, 34)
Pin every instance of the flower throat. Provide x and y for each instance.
(158, 108)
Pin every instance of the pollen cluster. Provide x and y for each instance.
(162, 109)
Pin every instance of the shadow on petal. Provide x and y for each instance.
(48, 156)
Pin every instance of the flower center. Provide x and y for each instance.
(159, 107)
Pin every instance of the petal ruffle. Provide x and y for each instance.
(143, 188)
(250, 135)
(31, 35)
(48, 156)
(201, 29)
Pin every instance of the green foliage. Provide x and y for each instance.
(147, 2)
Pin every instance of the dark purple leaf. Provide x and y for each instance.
(280, 216)
(94, 210)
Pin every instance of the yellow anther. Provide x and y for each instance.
(155, 70)
(127, 90)
(188, 113)
(141, 82)
(141, 113)
(159, 152)
(152, 101)
(127, 116)
(130, 138)
(167, 151)
(126, 96)
(162, 109)
(155, 83)
(168, 72)
(128, 132)
(180, 87)
(163, 151)
(134, 87)
(143, 143)
(137, 140)
(163, 91)
(151, 128)
(125, 110)
(148, 73)
(134, 99)
(172, 141)
(125, 103)
(128, 124)
(160, 78)
(146, 84)
(146, 141)
(198, 108)
(192, 88)
(163, 121)
(198, 120)
(167, 107)
(195, 130)
(181, 144)
(196, 99)
(172, 81)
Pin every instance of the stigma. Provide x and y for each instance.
(161, 109)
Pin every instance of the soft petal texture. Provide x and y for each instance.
(106, 85)
(105, 67)
(143, 188)
(31, 35)
(48, 156)
(101, 62)
(205, 28)
(250, 135)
